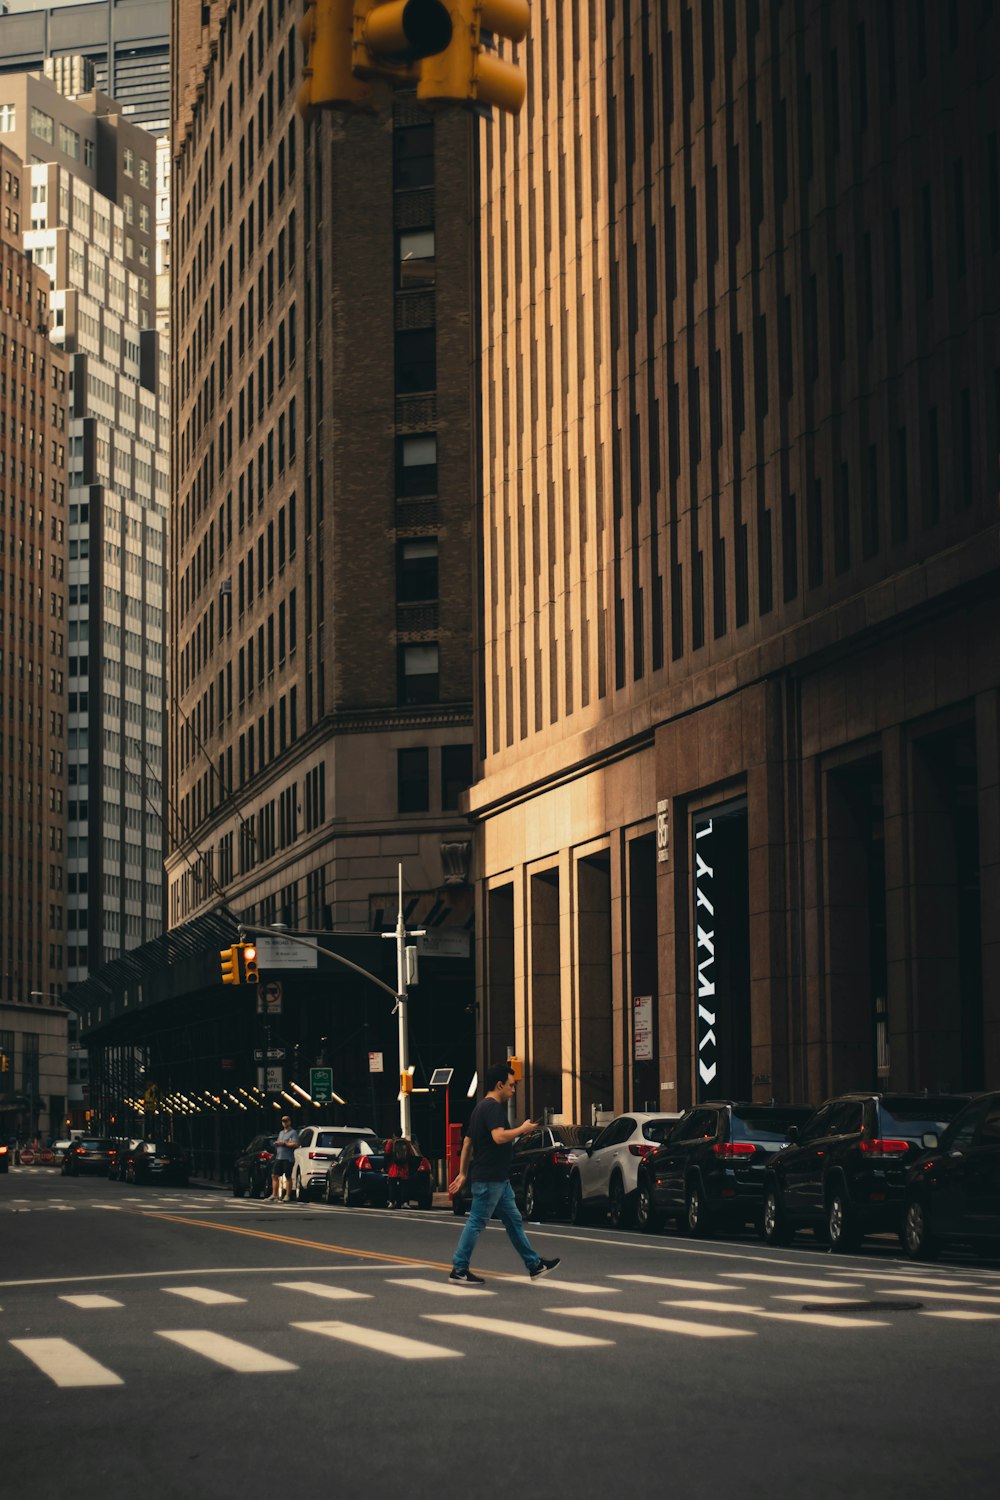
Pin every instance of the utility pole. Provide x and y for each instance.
(404, 1042)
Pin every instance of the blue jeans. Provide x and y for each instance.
(487, 1196)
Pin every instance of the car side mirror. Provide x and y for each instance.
(589, 1148)
(792, 1134)
(929, 1141)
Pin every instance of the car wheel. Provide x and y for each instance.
(918, 1241)
(577, 1208)
(841, 1225)
(698, 1216)
(646, 1215)
(774, 1225)
(619, 1204)
(532, 1208)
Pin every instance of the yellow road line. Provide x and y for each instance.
(288, 1239)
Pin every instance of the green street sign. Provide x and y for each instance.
(321, 1084)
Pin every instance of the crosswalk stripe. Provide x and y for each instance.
(652, 1321)
(553, 1285)
(949, 1296)
(448, 1288)
(381, 1343)
(243, 1358)
(90, 1300)
(821, 1320)
(204, 1294)
(557, 1337)
(65, 1364)
(836, 1286)
(963, 1314)
(688, 1286)
(320, 1289)
(912, 1278)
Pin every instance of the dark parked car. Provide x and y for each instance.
(540, 1170)
(360, 1175)
(116, 1158)
(156, 1161)
(88, 1154)
(710, 1173)
(953, 1195)
(845, 1173)
(252, 1169)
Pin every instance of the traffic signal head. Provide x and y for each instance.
(391, 36)
(230, 961)
(250, 974)
(4, 1063)
(468, 72)
(326, 32)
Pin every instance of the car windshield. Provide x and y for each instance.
(573, 1137)
(95, 1145)
(338, 1138)
(768, 1124)
(658, 1130)
(160, 1148)
(911, 1118)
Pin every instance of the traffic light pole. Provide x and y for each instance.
(399, 936)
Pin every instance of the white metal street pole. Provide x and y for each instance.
(404, 1042)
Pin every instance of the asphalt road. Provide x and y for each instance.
(182, 1343)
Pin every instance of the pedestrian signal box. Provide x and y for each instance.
(516, 1066)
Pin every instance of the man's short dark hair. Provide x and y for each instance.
(497, 1075)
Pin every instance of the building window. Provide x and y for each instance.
(418, 673)
(69, 142)
(417, 570)
(89, 153)
(416, 258)
(8, 118)
(412, 780)
(416, 368)
(414, 157)
(143, 172)
(416, 465)
(41, 125)
(128, 162)
(456, 774)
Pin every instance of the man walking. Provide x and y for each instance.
(487, 1151)
(284, 1157)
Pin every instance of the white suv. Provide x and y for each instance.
(605, 1179)
(319, 1145)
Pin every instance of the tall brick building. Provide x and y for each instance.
(738, 819)
(322, 608)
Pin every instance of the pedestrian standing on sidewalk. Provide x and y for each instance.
(284, 1158)
(399, 1155)
(487, 1153)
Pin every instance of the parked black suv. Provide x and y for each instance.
(953, 1195)
(252, 1168)
(845, 1172)
(710, 1173)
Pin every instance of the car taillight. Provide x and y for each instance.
(364, 1163)
(3, 1150)
(646, 1149)
(559, 1159)
(729, 1149)
(423, 1165)
(266, 1156)
(885, 1148)
(319, 1156)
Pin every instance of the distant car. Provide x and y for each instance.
(88, 1154)
(844, 1174)
(156, 1161)
(319, 1146)
(604, 1179)
(709, 1174)
(953, 1194)
(540, 1170)
(252, 1169)
(117, 1155)
(360, 1175)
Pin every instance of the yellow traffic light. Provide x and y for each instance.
(391, 36)
(465, 70)
(4, 1063)
(326, 31)
(406, 1082)
(250, 973)
(230, 961)
(516, 1066)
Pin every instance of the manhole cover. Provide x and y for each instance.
(839, 1307)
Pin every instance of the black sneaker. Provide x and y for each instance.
(467, 1277)
(543, 1268)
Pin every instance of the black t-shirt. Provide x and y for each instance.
(490, 1162)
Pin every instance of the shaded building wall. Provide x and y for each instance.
(740, 427)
